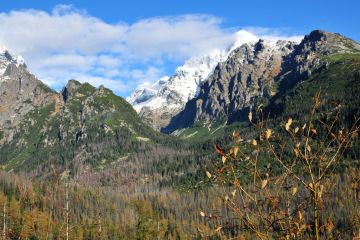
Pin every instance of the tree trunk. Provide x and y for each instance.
(4, 227)
(67, 210)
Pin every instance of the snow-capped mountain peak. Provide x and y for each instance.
(7, 58)
(184, 83)
(170, 94)
(160, 101)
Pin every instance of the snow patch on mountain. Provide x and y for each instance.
(172, 93)
(158, 102)
(145, 93)
(7, 58)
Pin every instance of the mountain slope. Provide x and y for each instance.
(256, 74)
(91, 134)
(20, 92)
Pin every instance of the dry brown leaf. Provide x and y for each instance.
(218, 149)
(236, 182)
(296, 151)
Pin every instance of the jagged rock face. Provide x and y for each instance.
(20, 92)
(255, 71)
(249, 72)
(307, 55)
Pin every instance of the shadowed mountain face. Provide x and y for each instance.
(256, 73)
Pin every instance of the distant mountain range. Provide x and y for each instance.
(98, 137)
(258, 72)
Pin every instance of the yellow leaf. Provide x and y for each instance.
(304, 126)
(250, 116)
(254, 142)
(293, 190)
(268, 133)
(308, 148)
(202, 214)
(233, 193)
(218, 229)
(296, 130)
(264, 183)
(287, 125)
(300, 216)
(208, 174)
(235, 151)
(223, 159)
(226, 198)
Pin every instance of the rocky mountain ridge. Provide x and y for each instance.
(255, 73)
(21, 92)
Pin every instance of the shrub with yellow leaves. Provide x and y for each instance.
(286, 203)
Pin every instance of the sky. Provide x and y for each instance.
(127, 44)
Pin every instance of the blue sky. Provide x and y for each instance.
(123, 44)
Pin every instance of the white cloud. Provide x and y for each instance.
(69, 43)
(177, 37)
(273, 34)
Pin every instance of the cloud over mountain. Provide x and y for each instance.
(69, 43)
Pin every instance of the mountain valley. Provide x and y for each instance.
(146, 166)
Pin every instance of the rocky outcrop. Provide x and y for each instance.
(20, 92)
(256, 72)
